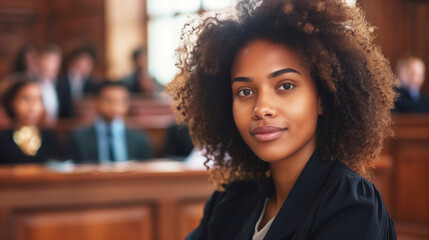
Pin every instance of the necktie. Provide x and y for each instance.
(110, 144)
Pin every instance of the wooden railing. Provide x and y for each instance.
(151, 200)
(402, 176)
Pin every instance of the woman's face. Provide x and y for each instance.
(27, 105)
(275, 102)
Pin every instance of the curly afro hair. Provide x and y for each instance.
(353, 79)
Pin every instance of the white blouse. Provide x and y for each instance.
(259, 235)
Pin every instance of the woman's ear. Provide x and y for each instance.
(320, 106)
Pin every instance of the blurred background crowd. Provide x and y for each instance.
(82, 82)
(104, 76)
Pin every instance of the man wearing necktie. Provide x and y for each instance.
(108, 139)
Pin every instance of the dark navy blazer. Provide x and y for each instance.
(328, 202)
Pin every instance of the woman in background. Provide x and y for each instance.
(27, 61)
(291, 101)
(25, 142)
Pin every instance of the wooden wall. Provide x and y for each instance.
(68, 23)
(401, 25)
(136, 201)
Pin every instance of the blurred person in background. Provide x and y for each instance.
(140, 81)
(27, 61)
(77, 80)
(178, 144)
(25, 141)
(108, 139)
(411, 72)
(50, 63)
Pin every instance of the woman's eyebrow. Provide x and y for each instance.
(283, 71)
(241, 79)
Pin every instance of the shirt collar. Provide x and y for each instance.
(303, 192)
(116, 126)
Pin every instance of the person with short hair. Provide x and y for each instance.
(140, 81)
(411, 72)
(290, 101)
(25, 141)
(108, 139)
(27, 61)
(50, 64)
(77, 80)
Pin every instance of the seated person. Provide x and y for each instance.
(139, 81)
(108, 139)
(411, 72)
(178, 144)
(25, 142)
(77, 81)
(50, 63)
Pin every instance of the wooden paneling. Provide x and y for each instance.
(412, 159)
(131, 223)
(73, 23)
(20, 22)
(190, 216)
(402, 176)
(417, 32)
(133, 201)
(68, 23)
(401, 25)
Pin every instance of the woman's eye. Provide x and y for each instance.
(286, 86)
(244, 92)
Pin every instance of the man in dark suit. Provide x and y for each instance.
(77, 81)
(108, 139)
(411, 72)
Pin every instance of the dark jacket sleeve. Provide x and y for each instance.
(72, 149)
(354, 210)
(138, 146)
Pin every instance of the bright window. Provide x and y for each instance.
(166, 19)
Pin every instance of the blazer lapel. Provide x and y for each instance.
(299, 200)
(248, 227)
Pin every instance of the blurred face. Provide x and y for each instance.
(275, 102)
(50, 66)
(113, 103)
(28, 106)
(415, 73)
(83, 65)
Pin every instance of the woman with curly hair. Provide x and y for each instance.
(290, 99)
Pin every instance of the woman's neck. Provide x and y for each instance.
(286, 172)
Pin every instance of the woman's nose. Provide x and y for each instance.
(264, 107)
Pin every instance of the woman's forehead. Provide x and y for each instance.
(263, 55)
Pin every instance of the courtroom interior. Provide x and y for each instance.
(91, 148)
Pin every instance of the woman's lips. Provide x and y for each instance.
(268, 133)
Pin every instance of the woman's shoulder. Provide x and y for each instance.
(345, 187)
(343, 178)
(351, 204)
